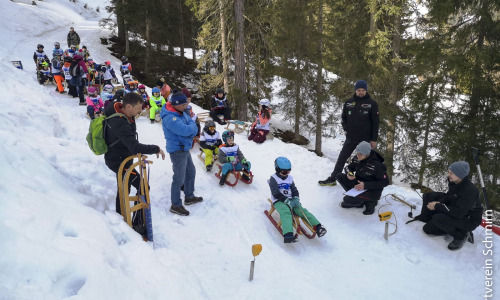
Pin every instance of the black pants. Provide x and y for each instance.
(440, 223)
(134, 180)
(226, 111)
(71, 89)
(363, 198)
(347, 150)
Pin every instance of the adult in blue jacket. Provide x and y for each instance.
(179, 130)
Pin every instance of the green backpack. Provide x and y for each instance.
(96, 136)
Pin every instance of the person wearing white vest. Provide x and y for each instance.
(231, 158)
(210, 141)
(286, 201)
(260, 128)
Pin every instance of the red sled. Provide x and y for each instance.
(310, 232)
(238, 176)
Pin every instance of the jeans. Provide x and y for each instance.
(184, 174)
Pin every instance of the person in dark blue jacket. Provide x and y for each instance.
(180, 129)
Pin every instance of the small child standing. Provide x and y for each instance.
(286, 201)
(260, 128)
(94, 103)
(231, 158)
(210, 141)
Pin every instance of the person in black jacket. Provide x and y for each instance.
(121, 138)
(220, 106)
(457, 212)
(73, 38)
(360, 121)
(366, 172)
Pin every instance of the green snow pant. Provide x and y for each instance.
(286, 216)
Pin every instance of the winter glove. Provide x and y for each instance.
(230, 159)
(244, 161)
(246, 164)
(295, 202)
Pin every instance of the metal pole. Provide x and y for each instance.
(475, 155)
(252, 265)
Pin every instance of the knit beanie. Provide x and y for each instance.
(159, 83)
(178, 98)
(187, 92)
(460, 168)
(361, 84)
(364, 148)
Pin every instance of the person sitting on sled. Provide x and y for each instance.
(44, 74)
(286, 200)
(232, 158)
(107, 92)
(260, 128)
(210, 141)
(156, 102)
(94, 103)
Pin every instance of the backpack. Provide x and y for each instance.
(75, 69)
(96, 136)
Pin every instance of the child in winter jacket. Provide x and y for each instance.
(44, 74)
(210, 141)
(145, 97)
(286, 201)
(220, 106)
(156, 101)
(260, 128)
(231, 157)
(94, 103)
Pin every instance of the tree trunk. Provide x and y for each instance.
(125, 32)
(147, 61)
(298, 100)
(121, 24)
(429, 119)
(193, 37)
(225, 60)
(239, 63)
(319, 88)
(181, 31)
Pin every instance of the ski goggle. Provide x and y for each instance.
(211, 128)
(285, 172)
(156, 94)
(230, 134)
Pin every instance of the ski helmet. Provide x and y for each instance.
(39, 46)
(124, 58)
(68, 59)
(209, 123)
(108, 88)
(45, 64)
(90, 60)
(107, 63)
(127, 78)
(132, 84)
(142, 86)
(264, 102)
(282, 164)
(120, 93)
(92, 90)
(227, 134)
(156, 90)
(219, 91)
(73, 46)
(56, 44)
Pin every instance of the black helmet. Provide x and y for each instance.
(124, 58)
(39, 46)
(219, 91)
(68, 59)
(120, 93)
(209, 123)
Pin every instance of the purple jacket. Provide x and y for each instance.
(81, 63)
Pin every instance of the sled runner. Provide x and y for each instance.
(139, 204)
(203, 116)
(237, 174)
(310, 232)
(238, 126)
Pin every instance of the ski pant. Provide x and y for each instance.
(438, 223)
(209, 155)
(228, 167)
(286, 216)
(59, 80)
(44, 78)
(226, 111)
(258, 136)
(347, 150)
(153, 112)
(91, 111)
(184, 175)
(71, 89)
(134, 179)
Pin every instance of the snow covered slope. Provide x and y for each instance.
(61, 239)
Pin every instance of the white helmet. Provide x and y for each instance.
(264, 102)
(108, 88)
(127, 78)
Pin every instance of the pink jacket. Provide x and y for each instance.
(98, 105)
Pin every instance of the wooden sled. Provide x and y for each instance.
(203, 116)
(310, 232)
(238, 126)
(141, 202)
(237, 174)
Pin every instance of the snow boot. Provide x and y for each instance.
(180, 210)
(320, 230)
(471, 237)
(328, 182)
(192, 200)
(152, 121)
(223, 179)
(370, 207)
(209, 168)
(245, 177)
(350, 202)
(457, 244)
(290, 238)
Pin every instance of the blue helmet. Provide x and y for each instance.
(226, 134)
(282, 163)
(155, 90)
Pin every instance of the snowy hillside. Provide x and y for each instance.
(60, 237)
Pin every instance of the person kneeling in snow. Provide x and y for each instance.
(457, 212)
(366, 172)
(231, 158)
(260, 128)
(286, 201)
